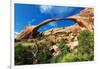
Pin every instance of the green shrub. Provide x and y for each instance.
(75, 57)
(22, 55)
(32, 54)
(64, 49)
(43, 55)
(69, 57)
(86, 44)
(85, 49)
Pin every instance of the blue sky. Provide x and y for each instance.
(34, 14)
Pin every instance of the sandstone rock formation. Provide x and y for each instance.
(69, 34)
(84, 19)
(27, 33)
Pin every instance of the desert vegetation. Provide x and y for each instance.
(40, 53)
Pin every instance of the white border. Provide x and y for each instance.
(4, 34)
(75, 65)
(81, 3)
(12, 35)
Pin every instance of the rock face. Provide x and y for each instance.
(86, 17)
(27, 33)
(74, 28)
(69, 34)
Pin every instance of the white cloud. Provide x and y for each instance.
(62, 11)
(45, 9)
(55, 10)
(53, 24)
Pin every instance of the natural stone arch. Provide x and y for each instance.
(82, 19)
(30, 31)
(80, 23)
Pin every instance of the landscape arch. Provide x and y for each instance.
(30, 31)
